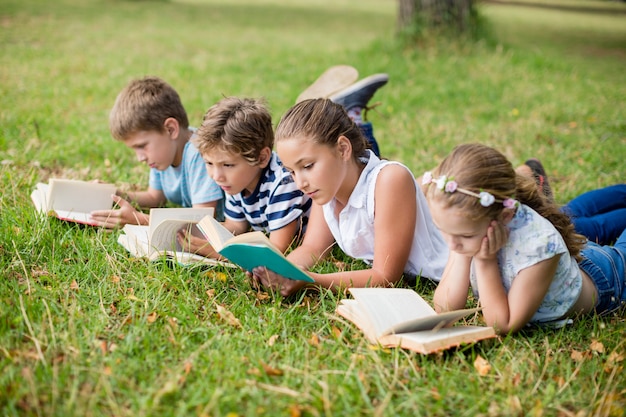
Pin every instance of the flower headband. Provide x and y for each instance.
(448, 185)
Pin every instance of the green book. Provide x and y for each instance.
(249, 250)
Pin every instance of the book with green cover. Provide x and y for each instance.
(249, 250)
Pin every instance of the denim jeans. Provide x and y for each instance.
(606, 266)
(599, 215)
(368, 131)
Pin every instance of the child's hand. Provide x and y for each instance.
(125, 214)
(497, 236)
(192, 243)
(273, 281)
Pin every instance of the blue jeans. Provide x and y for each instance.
(368, 131)
(599, 215)
(606, 266)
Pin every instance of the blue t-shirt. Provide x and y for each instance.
(189, 183)
(275, 202)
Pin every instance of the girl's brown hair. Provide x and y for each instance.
(322, 121)
(477, 168)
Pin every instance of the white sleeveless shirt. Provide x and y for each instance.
(354, 229)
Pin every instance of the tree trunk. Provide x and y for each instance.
(434, 13)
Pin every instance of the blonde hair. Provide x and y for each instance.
(322, 121)
(144, 105)
(479, 168)
(239, 126)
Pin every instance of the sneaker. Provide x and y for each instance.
(541, 178)
(332, 80)
(360, 93)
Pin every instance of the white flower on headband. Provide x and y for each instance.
(486, 199)
(441, 182)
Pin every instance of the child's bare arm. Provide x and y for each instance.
(147, 199)
(284, 237)
(451, 292)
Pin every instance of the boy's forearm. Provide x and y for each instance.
(143, 199)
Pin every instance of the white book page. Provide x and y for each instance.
(431, 322)
(135, 239)
(215, 233)
(387, 307)
(191, 214)
(76, 217)
(79, 196)
(39, 196)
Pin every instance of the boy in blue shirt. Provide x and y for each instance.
(236, 140)
(148, 116)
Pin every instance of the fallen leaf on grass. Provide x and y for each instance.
(613, 362)
(579, 356)
(35, 273)
(271, 371)
(482, 366)
(295, 410)
(615, 357)
(336, 332)
(272, 340)
(314, 340)
(217, 276)
(597, 346)
(262, 296)
(151, 318)
(74, 285)
(227, 316)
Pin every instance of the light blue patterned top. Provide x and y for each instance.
(533, 239)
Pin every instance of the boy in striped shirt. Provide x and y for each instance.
(236, 140)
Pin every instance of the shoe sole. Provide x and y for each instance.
(372, 79)
(331, 81)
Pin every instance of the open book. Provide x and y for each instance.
(399, 317)
(158, 239)
(249, 250)
(72, 200)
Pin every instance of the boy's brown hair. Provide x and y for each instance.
(241, 126)
(144, 105)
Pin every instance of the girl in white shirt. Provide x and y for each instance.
(372, 209)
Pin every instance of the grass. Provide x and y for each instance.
(86, 330)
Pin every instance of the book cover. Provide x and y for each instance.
(250, 250)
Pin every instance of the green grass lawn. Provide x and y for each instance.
(86, 330)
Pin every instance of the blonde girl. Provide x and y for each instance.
(372, 209)
(517, 251)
